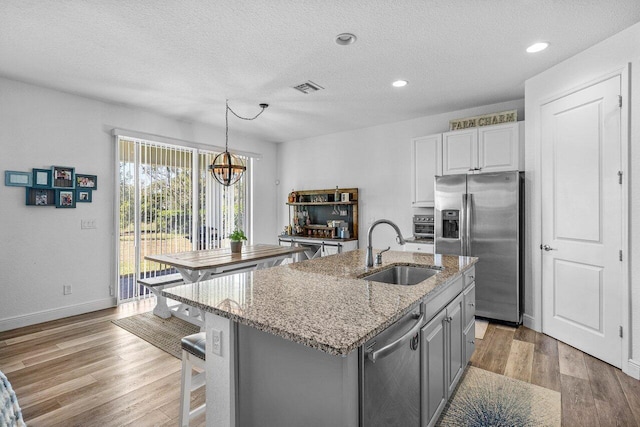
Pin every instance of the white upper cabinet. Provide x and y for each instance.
(485, 149)
(459, 151)
(426, 163)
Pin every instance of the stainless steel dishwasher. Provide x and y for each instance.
(390, 374)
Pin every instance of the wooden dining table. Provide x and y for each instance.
(199, 265)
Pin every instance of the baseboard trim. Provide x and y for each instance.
(632, 369)
(54, 314)
(529, 322)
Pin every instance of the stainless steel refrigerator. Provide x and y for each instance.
(483, 216)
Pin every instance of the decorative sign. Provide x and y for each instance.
(484, 120)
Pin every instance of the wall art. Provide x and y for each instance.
(57, 186)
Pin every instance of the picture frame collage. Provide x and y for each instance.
(58, 186)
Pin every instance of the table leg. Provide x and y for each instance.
(189, 276)
(221, 371)
(161, 309)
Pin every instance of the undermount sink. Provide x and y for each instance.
(403, 274)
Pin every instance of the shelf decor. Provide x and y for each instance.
(17, 179)
(312, 209)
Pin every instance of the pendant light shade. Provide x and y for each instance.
(228, 168)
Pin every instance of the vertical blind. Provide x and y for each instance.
(169, 202)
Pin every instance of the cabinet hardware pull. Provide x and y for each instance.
(472, 304)
(472, 342)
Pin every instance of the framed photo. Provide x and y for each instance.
(41, 197)
(83, 196)
(63, 177)
(87, 181)
(41, 178)
(65, 199)
(17, 179)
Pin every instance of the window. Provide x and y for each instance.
(168, 202)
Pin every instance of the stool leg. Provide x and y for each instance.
(185, 389)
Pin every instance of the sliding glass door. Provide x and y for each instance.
(168, 202)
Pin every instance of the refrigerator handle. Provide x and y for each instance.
(463, 226)
(468, 214)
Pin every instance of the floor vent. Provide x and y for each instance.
(308, 87)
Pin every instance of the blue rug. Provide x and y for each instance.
(484, 399)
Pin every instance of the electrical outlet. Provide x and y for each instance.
(111, 290)
(66, 289)
(216, 348)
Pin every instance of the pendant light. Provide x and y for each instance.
(228, 168)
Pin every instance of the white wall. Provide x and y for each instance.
(597, 61)
(376, 160)
(42, 248)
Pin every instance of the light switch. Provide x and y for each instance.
(87, 224)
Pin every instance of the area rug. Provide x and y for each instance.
(483, 398)
(163, 333)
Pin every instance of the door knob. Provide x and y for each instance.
(547, 248)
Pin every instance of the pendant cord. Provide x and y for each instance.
(226, 118)
(262, 106)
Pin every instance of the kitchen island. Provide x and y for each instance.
(285, 345)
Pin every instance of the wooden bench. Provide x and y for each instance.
(167, 279)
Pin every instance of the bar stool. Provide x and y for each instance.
(193, 356)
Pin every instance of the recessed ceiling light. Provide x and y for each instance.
(399, 83)
(345, 39)
(537, 47)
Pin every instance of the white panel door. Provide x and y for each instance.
(498, 148)
(459, 151)
(582, 220)
(426, 163)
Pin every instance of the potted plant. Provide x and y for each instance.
(236, 240)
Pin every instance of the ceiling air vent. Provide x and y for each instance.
(308, 87)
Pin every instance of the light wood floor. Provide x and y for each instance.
(85, 371)
(593, 393)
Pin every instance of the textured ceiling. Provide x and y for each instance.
(183, 58)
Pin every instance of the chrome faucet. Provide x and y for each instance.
(369, 260)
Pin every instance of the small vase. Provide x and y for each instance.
(236, 246)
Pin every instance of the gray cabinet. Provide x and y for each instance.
(434, 353)
(443, 356)
(469, 304)
(456, 343)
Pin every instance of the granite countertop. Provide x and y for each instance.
(321, 303)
